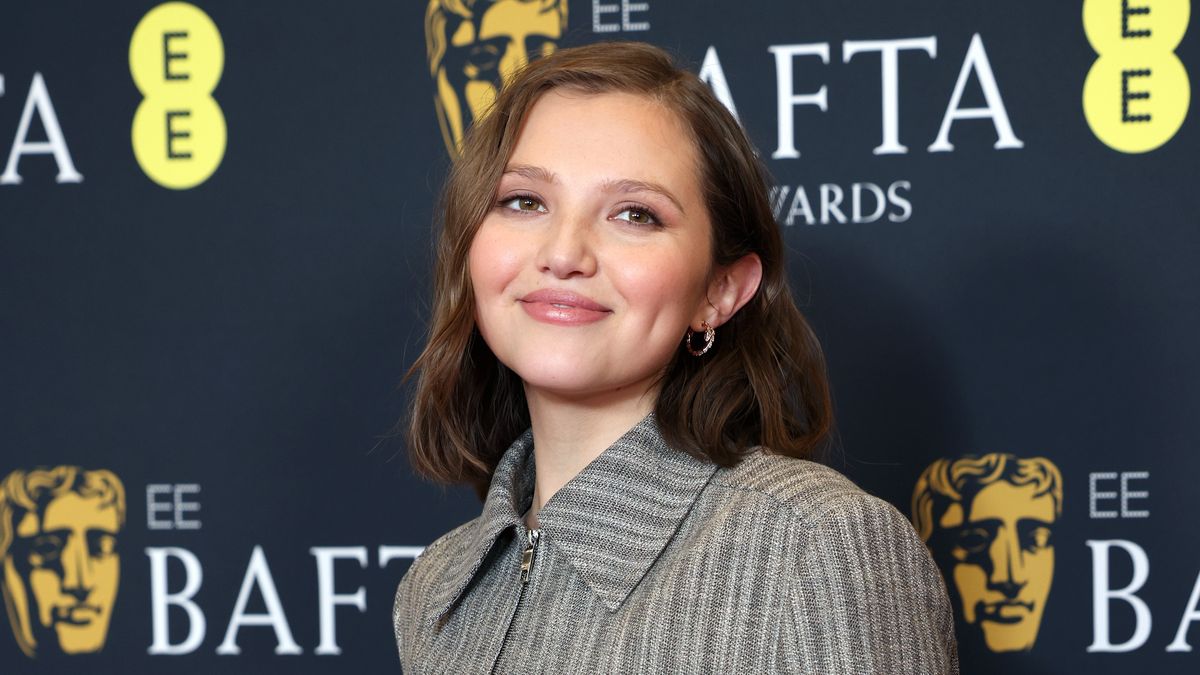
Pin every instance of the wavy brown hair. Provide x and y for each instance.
(762, 384)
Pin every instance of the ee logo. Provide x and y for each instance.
(176, 58)
(1137, 93)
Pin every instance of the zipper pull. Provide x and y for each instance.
(527, 557)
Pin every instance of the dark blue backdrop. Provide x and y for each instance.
(248, 334)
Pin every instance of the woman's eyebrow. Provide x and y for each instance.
(629, 185)
(532, 173)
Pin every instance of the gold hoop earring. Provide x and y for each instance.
(710, 336)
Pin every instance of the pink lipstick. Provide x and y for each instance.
(562, 308)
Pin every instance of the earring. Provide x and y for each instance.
(710, 336)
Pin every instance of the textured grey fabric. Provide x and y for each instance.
(651, 561)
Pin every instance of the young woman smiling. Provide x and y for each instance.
(617, 366)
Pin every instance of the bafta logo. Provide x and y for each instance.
(475, 46)
(58, 549)
(989, 522)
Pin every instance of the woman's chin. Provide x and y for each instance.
(561, 385)
(557, 368)
(582, 387)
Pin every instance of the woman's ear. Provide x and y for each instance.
(730, 289)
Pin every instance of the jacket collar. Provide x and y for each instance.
(611, 521)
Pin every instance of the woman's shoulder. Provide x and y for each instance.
(428, 569)
(854, 560)
(804, 490)
(815, 502)
(436, 555)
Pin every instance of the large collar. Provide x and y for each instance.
(611, 521)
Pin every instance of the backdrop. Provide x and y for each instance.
(215, 229)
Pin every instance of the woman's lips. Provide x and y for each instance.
(562, 307)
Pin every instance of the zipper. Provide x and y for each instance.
(532, 537)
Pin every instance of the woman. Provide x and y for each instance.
(610, 277)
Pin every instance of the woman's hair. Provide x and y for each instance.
(763, 383)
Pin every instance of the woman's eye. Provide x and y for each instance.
(637, 216)
(522, 204)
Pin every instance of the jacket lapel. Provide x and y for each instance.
(508, 498)
(611, 521)
(614, 519)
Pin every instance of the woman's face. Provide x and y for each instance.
(595, 257)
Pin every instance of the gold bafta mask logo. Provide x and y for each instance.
(989, 522)
(58, 549)
(475, 46)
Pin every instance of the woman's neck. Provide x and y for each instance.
(569, 434)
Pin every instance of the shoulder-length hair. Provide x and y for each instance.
(762, 384)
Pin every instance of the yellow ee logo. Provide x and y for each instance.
(1137, 93)
(176, 57)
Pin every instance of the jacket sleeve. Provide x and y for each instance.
(401, 619)
(868, 597)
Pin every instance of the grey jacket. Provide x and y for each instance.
(650, 561)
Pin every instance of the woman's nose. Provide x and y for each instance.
(567, 249)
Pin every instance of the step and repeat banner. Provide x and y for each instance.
(215, 245)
